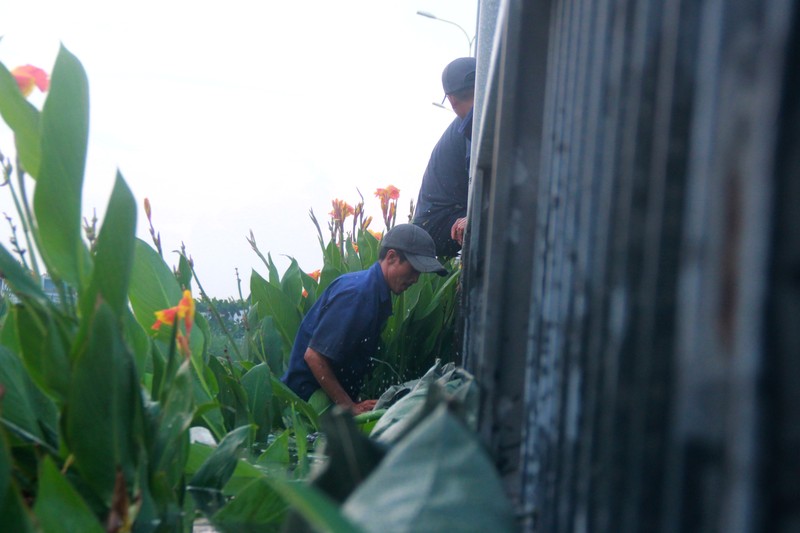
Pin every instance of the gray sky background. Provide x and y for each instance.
(243, 115)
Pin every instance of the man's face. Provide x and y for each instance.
(460, 107)
(399, 275)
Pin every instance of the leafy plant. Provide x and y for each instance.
(103, 382)
(100, 384)
(420, 330)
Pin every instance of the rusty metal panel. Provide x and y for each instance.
(630, 284)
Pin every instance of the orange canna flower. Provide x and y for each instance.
(341, 210)
(28, 76)
(355, 247)
(377, 234)
(316, 274)
(305, 293)
(388, 198)
(183, 311)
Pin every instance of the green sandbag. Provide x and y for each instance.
(455, 383)
(436, 478)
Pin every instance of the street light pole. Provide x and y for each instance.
(434, 17)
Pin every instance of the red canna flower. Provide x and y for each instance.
(315, 275)
(305, 293)
(183, 311)
(28, 76)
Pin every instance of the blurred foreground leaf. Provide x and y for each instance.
(437, 478)
(59, 507)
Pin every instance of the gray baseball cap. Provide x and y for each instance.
(417, 246)
(459, 75)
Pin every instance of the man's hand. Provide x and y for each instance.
(364, 407)
(457, 231)
(323, 372)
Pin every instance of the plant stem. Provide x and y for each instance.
(214, 310)
(26, 220)
(254, 246)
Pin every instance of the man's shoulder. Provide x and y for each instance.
(353, 283)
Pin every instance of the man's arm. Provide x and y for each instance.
(324, 375)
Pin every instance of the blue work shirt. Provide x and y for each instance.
(344, 325)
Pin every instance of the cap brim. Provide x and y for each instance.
(423, 263)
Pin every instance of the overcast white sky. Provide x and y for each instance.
(239, 115)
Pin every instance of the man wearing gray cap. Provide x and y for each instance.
(442, 203)
(339, 335)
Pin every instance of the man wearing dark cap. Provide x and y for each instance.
(334, 346)
(442, 203)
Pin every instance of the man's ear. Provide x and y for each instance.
(392, 257)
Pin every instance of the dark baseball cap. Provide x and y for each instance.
(416, 245)
(459, 75)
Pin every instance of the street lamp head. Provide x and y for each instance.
(434, 17)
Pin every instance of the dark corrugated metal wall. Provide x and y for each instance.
(632, 273)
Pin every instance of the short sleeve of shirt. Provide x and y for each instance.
(341, 326)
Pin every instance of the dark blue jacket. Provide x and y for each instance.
(445, 184)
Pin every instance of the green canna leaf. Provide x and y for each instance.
(274, 277)
(138, 340)
(311, 287)
(231, 395)
(288, 397)
(44, 349)
(257, 382)
(206, 484)
(329, 273)
(13, 511)
(257, 507)
(59, 507)
(153, 286)
(19, 405)
(368, 248)
(170, 448)
(319, 510)
(353, 261)
(102, 407)
(276, 453)
(333, 256)
(115, 248)
(269, 344)
(217, 469)
(57, 198)
(292, 283)
(184, 273)
(23, 119)
(19, 279)
(273, 302)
